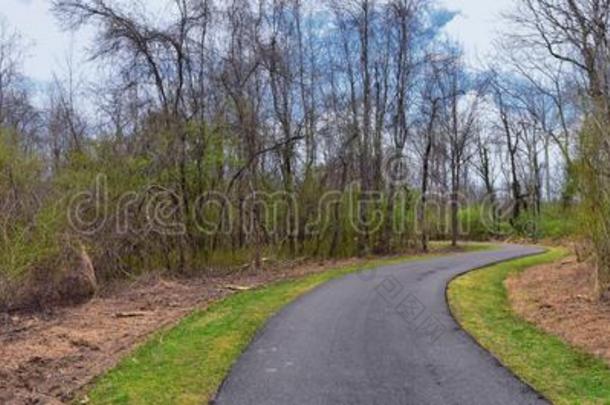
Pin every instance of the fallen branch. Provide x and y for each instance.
(133, 314)
(234, 287)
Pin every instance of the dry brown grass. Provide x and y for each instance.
(560, 299)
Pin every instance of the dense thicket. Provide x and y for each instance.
(227, 132)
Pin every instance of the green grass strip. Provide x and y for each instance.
(186, 364)
(565, 375)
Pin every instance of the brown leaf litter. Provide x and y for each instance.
(560, 299)
(48, 357)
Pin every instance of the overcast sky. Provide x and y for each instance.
(477, 25)
(475, 28)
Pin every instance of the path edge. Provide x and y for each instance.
(472, 338)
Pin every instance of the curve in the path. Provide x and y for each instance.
(380, 337)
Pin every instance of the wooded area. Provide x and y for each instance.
(226, 133)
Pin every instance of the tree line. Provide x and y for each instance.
(360, 123)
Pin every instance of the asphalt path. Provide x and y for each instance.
(383, 337)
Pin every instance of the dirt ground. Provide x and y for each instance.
(559, 298)
(47, 358)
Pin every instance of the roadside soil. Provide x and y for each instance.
(560, 299)
(48, 357)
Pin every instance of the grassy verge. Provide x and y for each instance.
(563, 374)
(185, 365)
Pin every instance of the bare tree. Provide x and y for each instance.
(460, 102)
(431, 99)
(576, 33)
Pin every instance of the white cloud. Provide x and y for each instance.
(477, 25)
